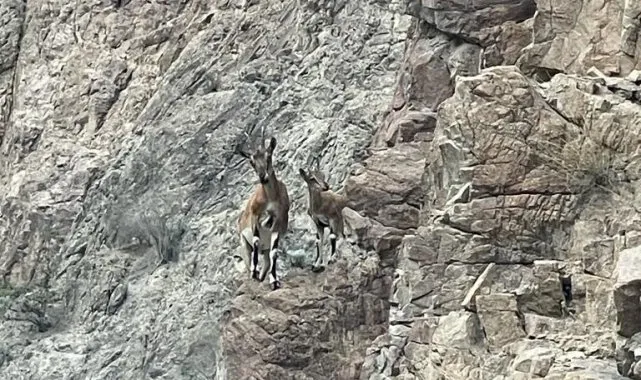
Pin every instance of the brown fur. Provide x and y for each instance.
(326, 210)
(266, 208)
(329, 204)
(256, 207)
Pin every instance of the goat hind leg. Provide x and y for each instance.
(335, 230)
(265, 265)
(273, 276)
(318, 265)
(332, 242)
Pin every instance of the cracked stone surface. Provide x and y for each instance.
(120, 190)
(575, 36)
(488, 151)
(534, 179)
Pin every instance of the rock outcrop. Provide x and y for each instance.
(488, 150)
(120, 192)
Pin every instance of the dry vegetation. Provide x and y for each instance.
(585, 164)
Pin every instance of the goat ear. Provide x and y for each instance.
(272, 144)
(319, 177)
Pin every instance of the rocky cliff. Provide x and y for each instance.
(489, 151)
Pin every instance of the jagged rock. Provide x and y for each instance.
(578, 367)
(418, 249)
(383, 357)
(134, 110)
(624, 88)
(627, 291)
(458, 330)
(389, 194)
(628, 358)
(425, 79)
(12, 15)
(634, 76)
(466, 18)
(269, 335)
(557, 44)
(543, 295)
(407, 126)
(498, 315)
(373, 236)
(503, 43)
(594, 72)
(597, 253)
(433, 59)
(116, 298)
(119, 190)
(535, 362)
(423, 330)
(600, 306)
(463, 179)
(541, 327)
(630, 29)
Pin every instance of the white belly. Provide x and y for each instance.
(265, 237)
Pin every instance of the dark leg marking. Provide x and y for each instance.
(255, 252)
(332, 240)
(274, 257)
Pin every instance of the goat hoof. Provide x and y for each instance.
(276, 285)
(256, 275)
(318, 269)
(332, 260)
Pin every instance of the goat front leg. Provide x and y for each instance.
(318, 265)
(273, 258)
(255, 252)
(247, 255)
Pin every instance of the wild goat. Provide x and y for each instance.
(325, 209)
(263, 222)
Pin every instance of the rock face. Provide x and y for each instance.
(574, 36)
(627, 292)
(120, 192)
(488, 150)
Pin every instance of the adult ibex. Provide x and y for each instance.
(263, 222)
(325, 208)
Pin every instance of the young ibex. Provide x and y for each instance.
(325, 208)
(263, 223)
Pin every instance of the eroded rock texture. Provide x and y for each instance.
(488, 150)
(120, 191)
